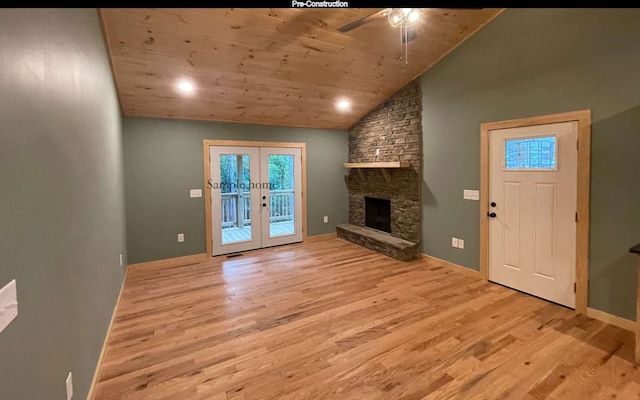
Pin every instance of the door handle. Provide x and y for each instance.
(493, 204)
(264, 204)
(491, 215)
(264, 197)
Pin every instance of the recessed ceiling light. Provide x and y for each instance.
(185, 86)
(343, 105)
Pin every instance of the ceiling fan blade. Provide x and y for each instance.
(369, 18)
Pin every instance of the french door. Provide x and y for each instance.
(256, 197)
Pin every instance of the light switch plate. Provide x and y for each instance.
(326, 219)
(454, 242)
(195, 193)
(8, 304)
(471, 195)
(460, 243)
(180, 237)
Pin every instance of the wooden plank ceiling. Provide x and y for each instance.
(271, 66)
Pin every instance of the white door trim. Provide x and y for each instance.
(583, 117)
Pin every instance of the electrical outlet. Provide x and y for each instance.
(121, 260)
(454, 242)
(326, 219)
(180, 237)
(69, 386)
(377, 152)
(193, 193)
(460, 243)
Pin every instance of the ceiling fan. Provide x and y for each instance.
(403, 17)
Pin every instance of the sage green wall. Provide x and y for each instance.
(163, 160)
(531, 62)
(61, 199)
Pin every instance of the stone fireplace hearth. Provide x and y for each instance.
(395, 130)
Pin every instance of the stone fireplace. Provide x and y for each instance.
(394, 132)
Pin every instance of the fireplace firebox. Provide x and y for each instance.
(378, 214)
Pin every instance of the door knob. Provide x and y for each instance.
(491, 215)
(264, 197)
(493, 204)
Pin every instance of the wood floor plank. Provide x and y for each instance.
(332, 320)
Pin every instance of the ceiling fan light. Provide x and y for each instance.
(395, 17)
(404, 16)
(414, 16)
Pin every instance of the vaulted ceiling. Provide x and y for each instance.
(271, 66)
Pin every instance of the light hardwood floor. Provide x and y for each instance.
(332, 320)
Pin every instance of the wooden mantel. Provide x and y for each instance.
(383, 165)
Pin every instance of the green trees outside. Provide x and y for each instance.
(280, 173)
(230, 179)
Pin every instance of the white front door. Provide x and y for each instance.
(256, 197)
(532, 228)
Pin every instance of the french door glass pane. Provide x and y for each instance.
(235, 185)
(281, 198)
